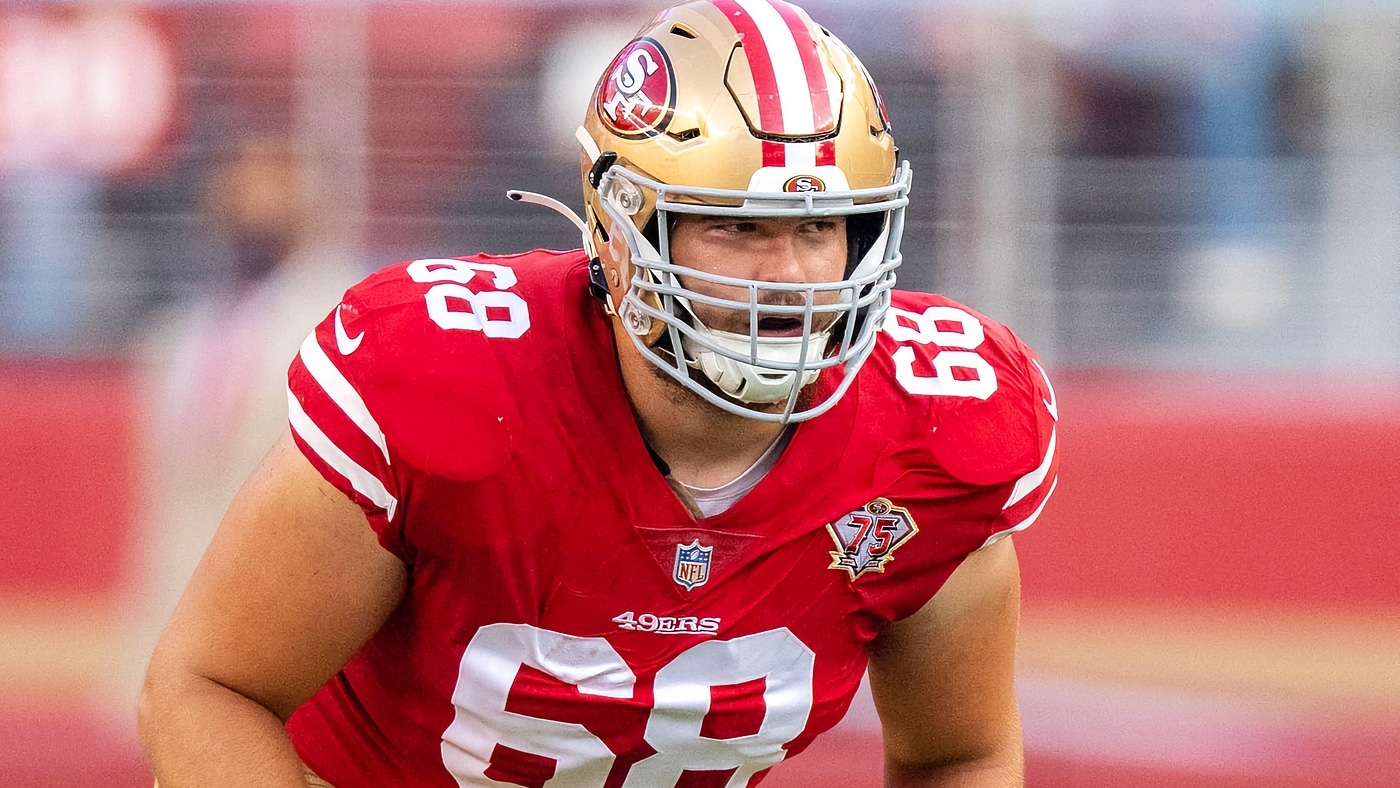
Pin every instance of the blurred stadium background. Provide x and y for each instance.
(1191, 209)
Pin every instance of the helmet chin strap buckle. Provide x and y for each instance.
(598, 283)
(601, 164)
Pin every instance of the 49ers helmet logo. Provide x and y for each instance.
(802, 184)
(638, 96)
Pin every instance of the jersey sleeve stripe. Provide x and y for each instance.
(1026, 523)
(1050, 404)
(341, 392)
(364, 482)
(1026, 484)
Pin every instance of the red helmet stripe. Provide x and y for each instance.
(791, 86)
(774, 154)
(765, 81)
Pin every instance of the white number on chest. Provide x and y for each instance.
(766, 677)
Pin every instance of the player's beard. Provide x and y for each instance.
(738, 321)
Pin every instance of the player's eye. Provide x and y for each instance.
(820, 227)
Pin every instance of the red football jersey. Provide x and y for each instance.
(566, 621)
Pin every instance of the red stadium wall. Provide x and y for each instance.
(1172, 489)
(1240, 489)
(67, 449)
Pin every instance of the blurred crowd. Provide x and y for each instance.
(213, 366)
(1204, 183)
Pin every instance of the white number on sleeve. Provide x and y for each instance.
(682, 696)
(454, 276)
(924, 330)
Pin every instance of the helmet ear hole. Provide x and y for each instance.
(599, 227)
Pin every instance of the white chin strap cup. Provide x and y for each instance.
(746, 382)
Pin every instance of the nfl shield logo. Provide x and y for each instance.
(692, 564)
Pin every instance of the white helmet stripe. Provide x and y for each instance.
(802, 156)
(787, 76)
(794, 94)
(819, 89)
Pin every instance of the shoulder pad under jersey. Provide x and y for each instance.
(397, 382)
(990, 408)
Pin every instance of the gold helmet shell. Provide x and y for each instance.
(711, 92)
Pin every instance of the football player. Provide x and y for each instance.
(641, 514)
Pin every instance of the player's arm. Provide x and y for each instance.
(293, 583)
(943, 681)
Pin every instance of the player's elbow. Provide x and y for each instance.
(960, 775)
(158, 693)
(170, 692)
(996, 765)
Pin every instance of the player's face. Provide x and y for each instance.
(785, 250)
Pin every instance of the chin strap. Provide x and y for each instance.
(748, 383)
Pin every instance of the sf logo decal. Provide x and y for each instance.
(638, 98)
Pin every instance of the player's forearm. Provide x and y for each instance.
(197, 732)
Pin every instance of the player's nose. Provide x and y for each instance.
(784, 260)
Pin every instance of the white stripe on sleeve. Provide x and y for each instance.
(341, 392)
(364, 482)
(1032, 480)
(1026, 523)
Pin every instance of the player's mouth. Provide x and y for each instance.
(780, 327)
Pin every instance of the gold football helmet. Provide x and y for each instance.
(741, 108)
